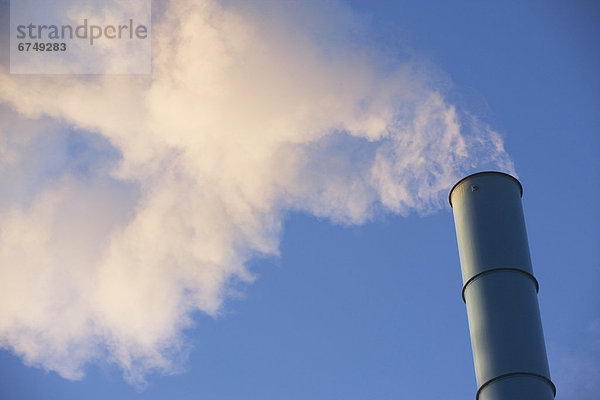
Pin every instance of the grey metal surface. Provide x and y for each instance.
(499, 289)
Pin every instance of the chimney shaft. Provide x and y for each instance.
(499, 289)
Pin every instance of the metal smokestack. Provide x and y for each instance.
(499, 289)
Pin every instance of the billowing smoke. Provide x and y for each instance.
(127, 203)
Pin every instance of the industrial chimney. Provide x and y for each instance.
(499, 289)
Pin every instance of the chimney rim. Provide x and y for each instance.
(484, 173)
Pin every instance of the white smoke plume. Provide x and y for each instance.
(127, 203)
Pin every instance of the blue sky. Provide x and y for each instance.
(353, 303)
